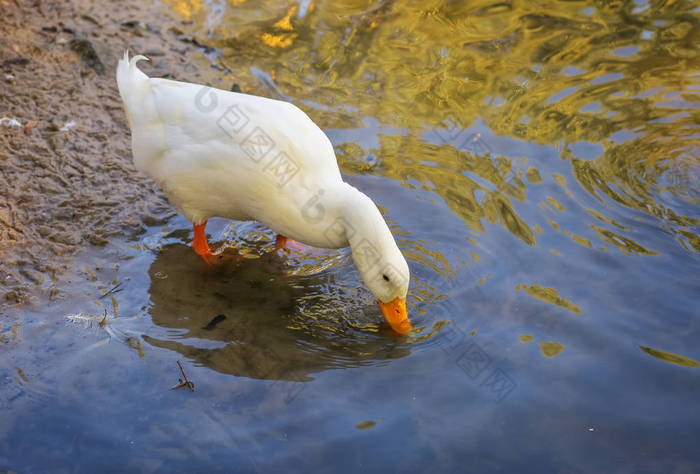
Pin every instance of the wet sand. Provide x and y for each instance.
(67, 182)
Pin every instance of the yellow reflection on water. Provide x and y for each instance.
(549, 295)
(186, 9)
(671, 357)
(625, 244)
(365, 425)
(551, 349)
(286, 23)
(612, 89)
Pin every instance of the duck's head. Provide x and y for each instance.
(378, 259)
(388, 282)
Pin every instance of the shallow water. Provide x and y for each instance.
(539, 166)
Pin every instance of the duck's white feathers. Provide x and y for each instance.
(198, 143)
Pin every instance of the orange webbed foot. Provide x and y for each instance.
(201, 247)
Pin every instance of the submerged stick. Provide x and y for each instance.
(115, 289)
(187, 383)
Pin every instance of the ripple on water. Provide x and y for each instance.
(285, 315)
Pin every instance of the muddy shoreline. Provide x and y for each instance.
(66, 177)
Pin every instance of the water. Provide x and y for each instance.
(538, 164)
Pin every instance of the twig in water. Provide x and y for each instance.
(116, 289)
(187, 383)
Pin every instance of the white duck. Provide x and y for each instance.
(238, 156)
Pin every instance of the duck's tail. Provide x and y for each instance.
(131, 82)
(147, 130)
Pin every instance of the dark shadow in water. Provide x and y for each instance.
(242, 317)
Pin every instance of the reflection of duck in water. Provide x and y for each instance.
(243, 319)
(220, 153)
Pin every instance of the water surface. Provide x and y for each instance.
(538, 164)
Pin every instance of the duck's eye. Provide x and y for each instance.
(386, 278)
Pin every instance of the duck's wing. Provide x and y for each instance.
(240, 127)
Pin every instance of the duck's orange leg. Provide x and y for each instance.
(285, 243)
(282, 241)
(200, 245)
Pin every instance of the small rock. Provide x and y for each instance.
(91, 19)
(19, 61)
(86, 50)
(136, 27)
(32, 276)
(132, 24)
(154, 52)
(97, 240)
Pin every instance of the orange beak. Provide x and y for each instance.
(396, 316)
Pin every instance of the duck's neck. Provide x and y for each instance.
(338, 216)
(360, 216)
(374, 250)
